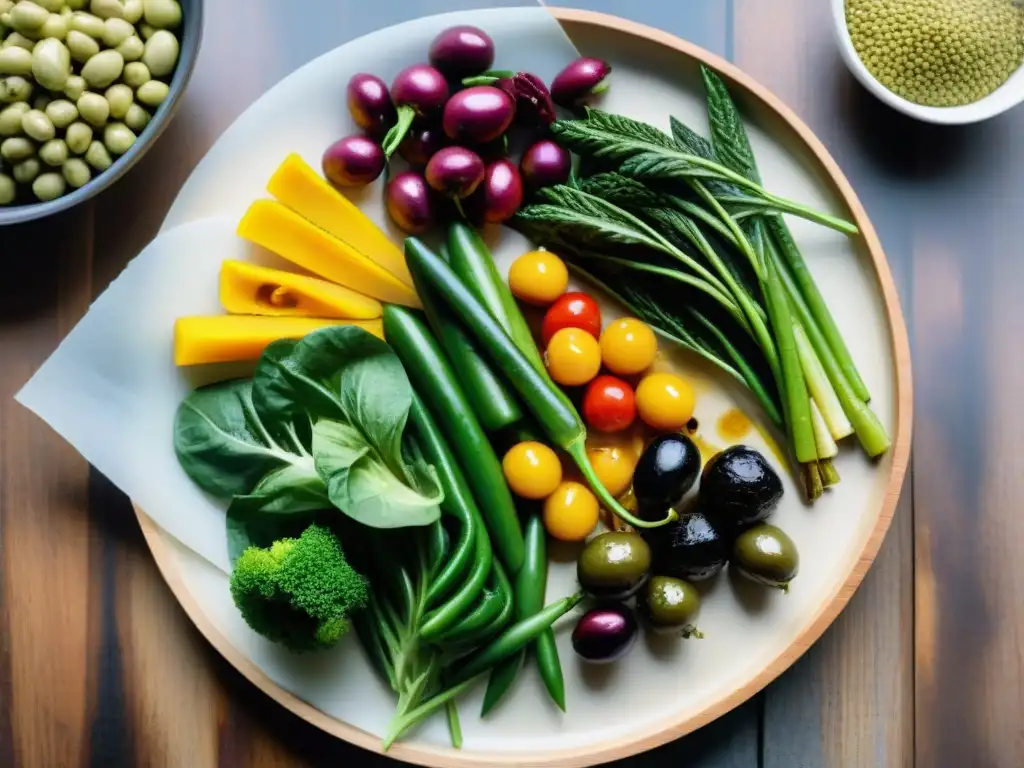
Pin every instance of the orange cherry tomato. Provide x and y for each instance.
(538, 277)
(573, 357)
(609, 404)
(572, 310)
(532, 470)
(628, 346)
(571, 512)
(665, 401)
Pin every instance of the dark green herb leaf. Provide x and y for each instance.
(728, 134)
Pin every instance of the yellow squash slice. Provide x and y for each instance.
(286, 233)
(249, 289)
(233, 338)
(298, 186)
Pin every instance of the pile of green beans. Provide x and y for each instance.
(79, 80)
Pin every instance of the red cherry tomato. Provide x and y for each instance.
(609, 404)
(572, 310)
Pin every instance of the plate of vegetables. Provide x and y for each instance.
(535, 413)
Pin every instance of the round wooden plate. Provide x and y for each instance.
(658, 695)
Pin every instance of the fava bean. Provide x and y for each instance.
(51, 64)
(118, 138)
(16, 149)
(93, 108)
(78, 137)
(161, 53)
(26, 16)
(62, 113)
(116, 31)
(137, 118)
(153, 93)
(49, 186)
(10, 118)
(26, 171)
(133, 10)
(15, 60)
(131, 49)
(98, 157)
(76, 5)
(76, 173)
(146, 31)
(103, 69)
(7, 189)
(75, 87)
(120, 98)
(41, 101)
(81, 46)
(38, 126)
(162, 14)
(55, 26)
(65, 13)
(107, 9)
(135, 74)
(53, 6)
(19, 40)
(54, 152)
(89, 24)
(5, 6)
(14, 88)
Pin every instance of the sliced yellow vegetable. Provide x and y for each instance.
(232, 338)
(249, 289)
(281, 230)
(307, 193)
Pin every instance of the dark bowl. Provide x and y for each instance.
(190, 37)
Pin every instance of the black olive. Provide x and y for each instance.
(739, 488)
(667, 469)
(689, 548)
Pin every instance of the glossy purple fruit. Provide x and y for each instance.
(421, 144)
(410, 202)
(462, 51)
(478, 114)
(420, 87)
(455, 171)
(499, 196)
(544, 164)
(370, 103)
(604, 634)
(584, 77)
(533, 100)
(353, 161)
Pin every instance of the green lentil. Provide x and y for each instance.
(938, 53)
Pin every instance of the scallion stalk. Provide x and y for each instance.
(824, 399)
(827, 447)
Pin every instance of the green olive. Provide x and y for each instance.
(161, 53)
(15, 61)
(49, 186)
(76, 173)
(54, 152)
(38, 126)
(7, 189)
(107, 9)
(118, 138)
(26, 171)
(15, 88)
(55, 26)
(103, 69)
(135, 74)
(98, 157)
(16, 149)
(75, 87)
(78, 137)
(153, 93)
(767, 555)
(133, 10)
(137, 118)
(89, 24)
(131, 49)
(81, 46)
(671, 605)
(26, 16)
(93, 108)
(614, 564)
(162, 14)
(51, 64)
(10, 118)
(61, 112)
(19, 40)
(120, 98)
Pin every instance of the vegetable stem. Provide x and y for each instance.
(825, 401)
(827, 447)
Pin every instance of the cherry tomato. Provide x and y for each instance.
(609, 404)
(614, 467)
(532, 470)
(573, 357)
(665, 401)
(572, 310)
(538, 277)
(570, 513)
(628, 346)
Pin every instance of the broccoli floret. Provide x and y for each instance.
(299, 592)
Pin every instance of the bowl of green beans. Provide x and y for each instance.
(86, 88)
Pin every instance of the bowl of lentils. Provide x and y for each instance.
(86, 87)
(941, 61)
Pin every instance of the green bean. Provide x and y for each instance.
(503, 676)
(487, 609)
(445, 615)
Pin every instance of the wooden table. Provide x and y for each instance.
(99, 666)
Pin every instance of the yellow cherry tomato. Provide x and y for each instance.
(573, 357)
(614, 468)
(538, 277)
(665, 401)
(570, 513)
(532, 470)
(628, 346)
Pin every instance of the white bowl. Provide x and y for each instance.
(1008, 95)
